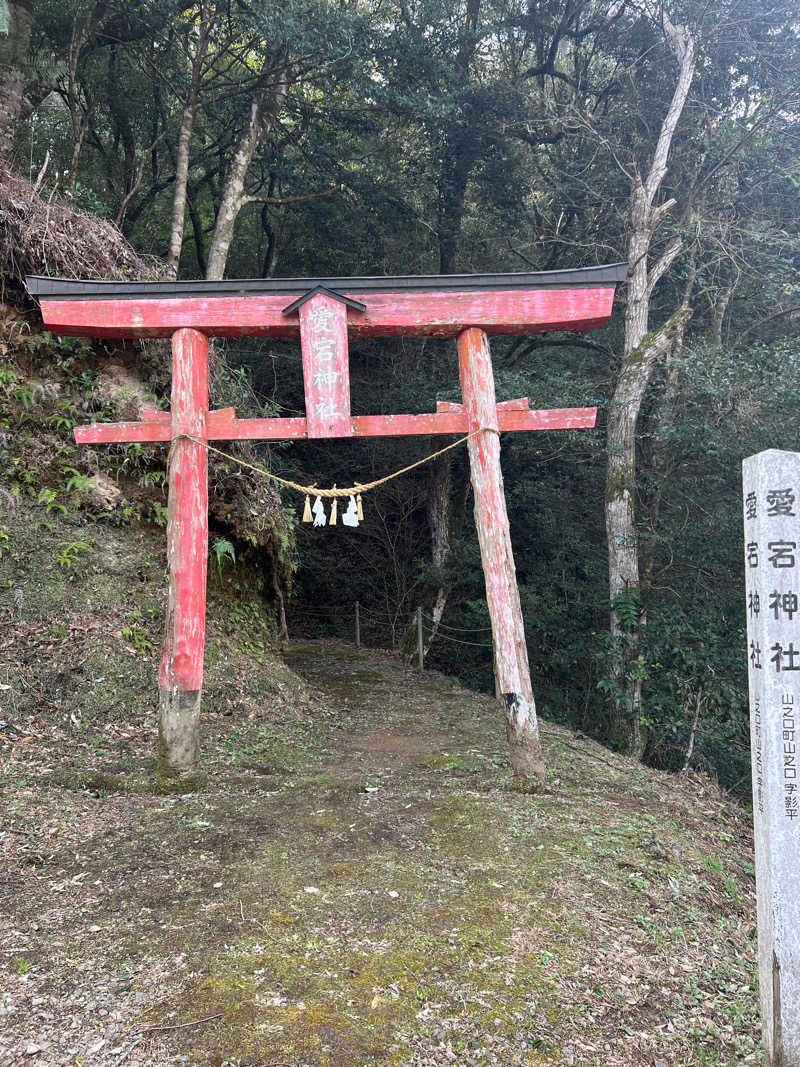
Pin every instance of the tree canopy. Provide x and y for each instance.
(418, 136)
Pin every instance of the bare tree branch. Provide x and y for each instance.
(288, 199)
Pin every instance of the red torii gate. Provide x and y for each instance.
(324, 313)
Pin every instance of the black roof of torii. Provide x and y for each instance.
(76, 289)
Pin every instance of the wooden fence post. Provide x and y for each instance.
(420, 643)
(358, 627)
(491, 519)
(180, 676)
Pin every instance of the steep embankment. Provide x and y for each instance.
(353, 882)
(81, 620)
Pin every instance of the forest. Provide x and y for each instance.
(240, 139)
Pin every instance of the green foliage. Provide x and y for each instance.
(156, 478)
(70, 552)
(47, 496)
(9, 377)
(627, 607)
(65, 418)
(138, 638)
(23, 395)
(77, 482)
(160, 513)
(135, 456)
(222, 550)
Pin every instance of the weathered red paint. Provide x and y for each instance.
(187, 522)
(219, 422)
(457, 421)
(222, 426)
(107, 433)
(324, 326)
(477, 389)
(326, 368)
(410, 314)
(491, 520)
(520, 404)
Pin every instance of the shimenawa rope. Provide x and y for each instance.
(314, 490)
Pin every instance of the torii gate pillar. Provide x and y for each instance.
(494, 537)
(180, 675)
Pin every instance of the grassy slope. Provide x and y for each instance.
(352, 882)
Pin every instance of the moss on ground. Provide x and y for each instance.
(352, 880)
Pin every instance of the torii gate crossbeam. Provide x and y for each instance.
(324, 313)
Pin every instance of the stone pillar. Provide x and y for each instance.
(772, 566)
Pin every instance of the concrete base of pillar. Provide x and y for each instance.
(178, 731)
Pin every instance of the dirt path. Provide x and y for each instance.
(358, 885)
(395, 715)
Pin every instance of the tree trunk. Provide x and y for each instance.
(718, 318)
(184, 146)
(197, 230)
(14, 41)
(264, 110)
(439, 523)
(693, 732)
(181, 179)
(663, 421)
(640, 355)
(280, 600)
(459, 159)
(623, 551)
(273, 236)
(80, 122)
(459, 150)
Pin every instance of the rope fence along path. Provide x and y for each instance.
(333, 613)
(459, 629)
(459, 641)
